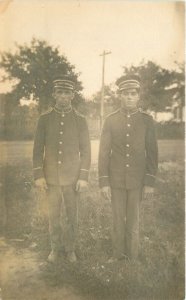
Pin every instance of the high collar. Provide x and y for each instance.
(128, 112)
(65, 110)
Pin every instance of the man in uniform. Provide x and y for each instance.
(61, 162)
(128, 159)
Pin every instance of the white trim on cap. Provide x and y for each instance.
(63, 80)
(129, 86)
(129, 81)
(62, 83)
(65, 84)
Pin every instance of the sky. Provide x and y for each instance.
(131, 30)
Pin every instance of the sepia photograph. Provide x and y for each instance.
(92, 150)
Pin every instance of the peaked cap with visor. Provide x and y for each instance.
(64, 82)
(128, 82)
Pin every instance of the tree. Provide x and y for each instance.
(32, 68)
(111, 101)
(161, 88)
(177, 86)
(155, 93)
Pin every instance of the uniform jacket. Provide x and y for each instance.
(61, 151)
(128, 155)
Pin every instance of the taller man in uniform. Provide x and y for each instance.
(128, 160)
(61, 162)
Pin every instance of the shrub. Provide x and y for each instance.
(170, 130)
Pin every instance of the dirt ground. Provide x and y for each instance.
(21, 276)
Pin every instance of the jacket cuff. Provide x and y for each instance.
(84, 174)
(149, 180)
(103, 181)
(38, 173)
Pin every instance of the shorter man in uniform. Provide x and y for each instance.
(128, 159)
(61, 162)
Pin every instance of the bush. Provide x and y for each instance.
(22, 126)
(170, 130)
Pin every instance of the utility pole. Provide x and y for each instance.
(102, 90)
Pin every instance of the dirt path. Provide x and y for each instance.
(20, 277)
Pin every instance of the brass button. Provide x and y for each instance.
(60, 152)
(61, 132)
(61, 143)
(127, 134)
(128, 116)
(127, 166)
(128, 125)
(127, 154)
(59, 162)
(62, 115)
(127, 145)
(62, 123)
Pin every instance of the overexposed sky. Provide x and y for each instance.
(131, 30)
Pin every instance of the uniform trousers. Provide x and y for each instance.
(60, 238)
(125, 209)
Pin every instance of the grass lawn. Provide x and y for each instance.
(15, 151)
(159, 272)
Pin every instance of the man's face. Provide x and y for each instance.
(129, 98)
(62, 96)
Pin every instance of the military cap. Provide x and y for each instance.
(128, 82)
(64, 82)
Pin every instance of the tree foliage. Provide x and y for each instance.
(157, 93)
(177, 89)
(161, 88)
(111, 101)
(32, 67)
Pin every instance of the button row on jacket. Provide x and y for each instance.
(61, 132)
(127, 145)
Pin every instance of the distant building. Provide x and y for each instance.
(178, 107)
(175, 113)
(178, 112)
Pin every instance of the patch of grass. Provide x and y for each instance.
(17, 194)
(159, 272)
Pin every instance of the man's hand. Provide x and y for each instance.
(148, 192)
(81, 186)
(106, 192)
(41, 184)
